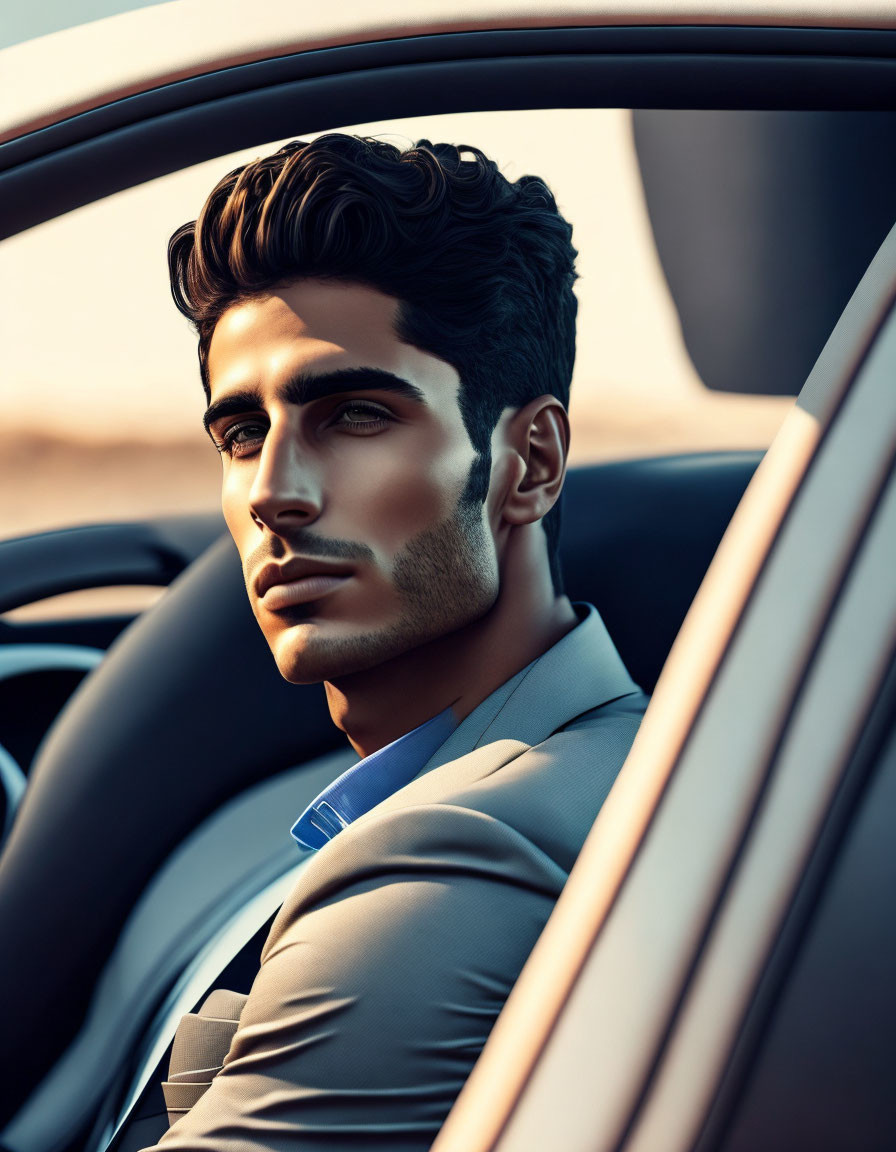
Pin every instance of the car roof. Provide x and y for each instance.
(139, 50)
(162, 88)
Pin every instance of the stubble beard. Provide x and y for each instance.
(446, 577)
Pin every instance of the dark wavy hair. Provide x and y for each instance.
(482, 267)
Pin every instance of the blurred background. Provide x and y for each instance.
(101, 394)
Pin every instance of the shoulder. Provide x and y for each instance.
(552, 792)
(505, 815)
(469, 856)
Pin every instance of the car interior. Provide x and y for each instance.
(147, 761)
(663, 515)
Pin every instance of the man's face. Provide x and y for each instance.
(345, 462)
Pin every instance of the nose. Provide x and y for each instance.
(286, 491)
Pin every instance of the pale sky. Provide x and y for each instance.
(93, 347)
(31, 18)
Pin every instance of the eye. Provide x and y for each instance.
(360, 416)
(241, 439)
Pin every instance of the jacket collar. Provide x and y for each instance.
(580, 672)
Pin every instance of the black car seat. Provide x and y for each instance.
(159, 805)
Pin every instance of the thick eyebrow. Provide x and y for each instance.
(303, 389)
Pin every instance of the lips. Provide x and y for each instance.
(280, 586)
(300, 591)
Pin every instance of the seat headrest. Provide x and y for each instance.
(637, 538)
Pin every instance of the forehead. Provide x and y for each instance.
(317, 326)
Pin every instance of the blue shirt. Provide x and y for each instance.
(373, 779)
(370, 781)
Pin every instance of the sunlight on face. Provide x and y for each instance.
(345, 466)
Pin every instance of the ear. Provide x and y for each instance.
(538, 435)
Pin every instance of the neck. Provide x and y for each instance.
(458, 670)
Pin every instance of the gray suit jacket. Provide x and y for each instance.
(389, 963)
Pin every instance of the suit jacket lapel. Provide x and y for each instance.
(581, 672)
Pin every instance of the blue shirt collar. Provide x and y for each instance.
(581, 670)
(371, 781)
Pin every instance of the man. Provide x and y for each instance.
(386, 341)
